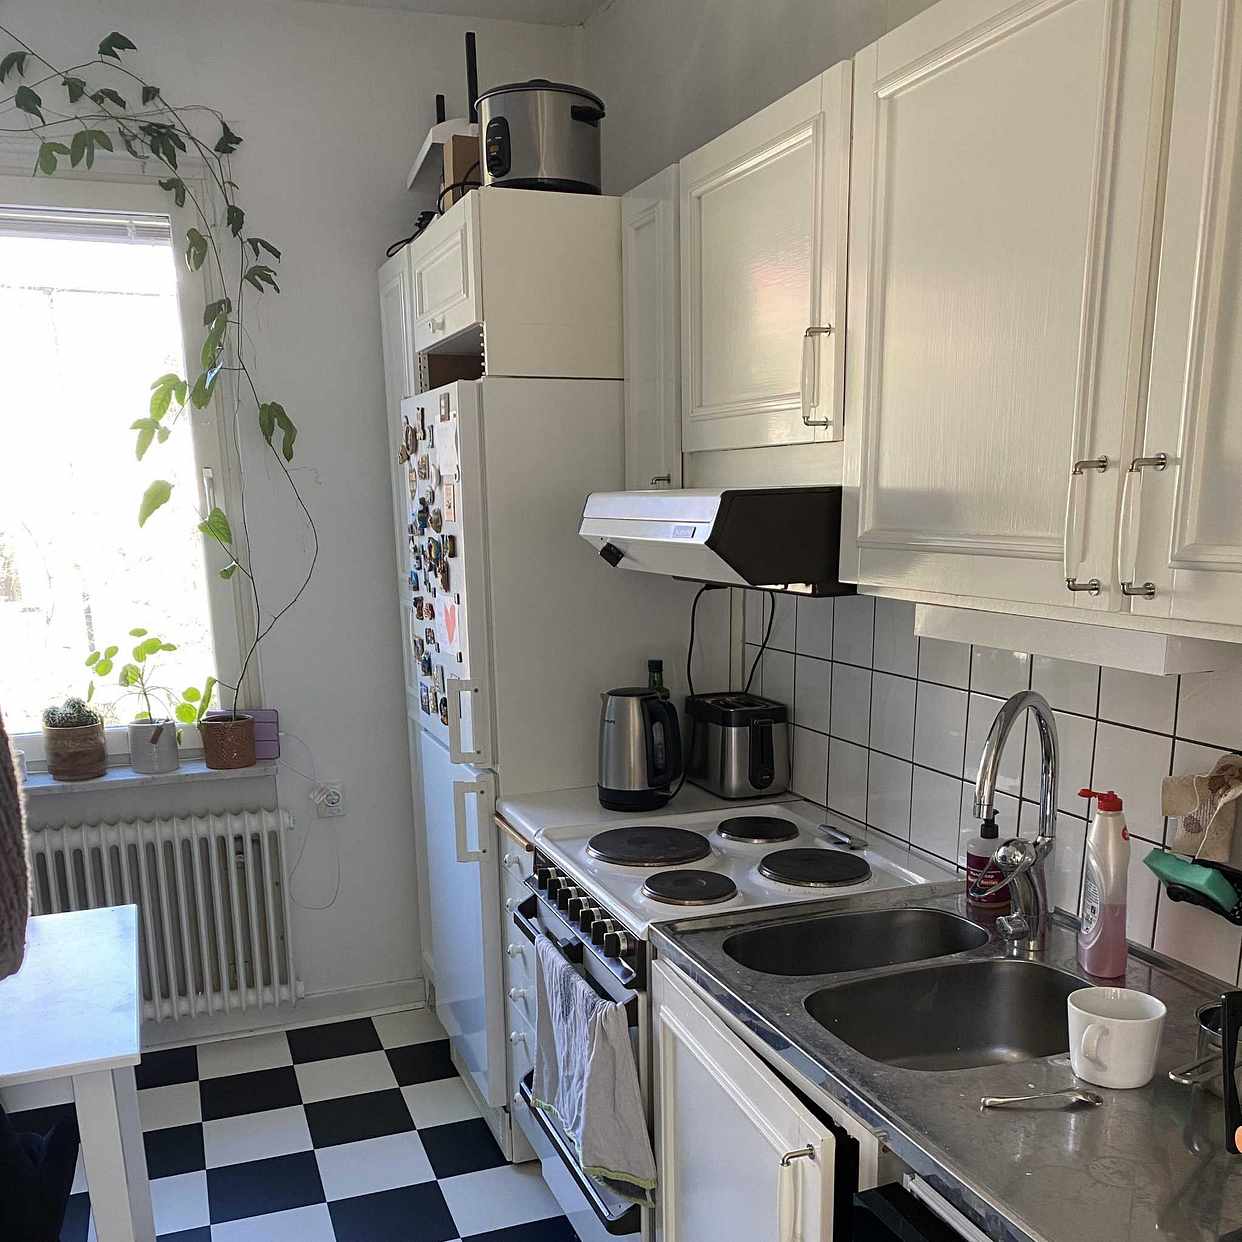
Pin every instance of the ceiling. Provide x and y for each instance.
(547, 12)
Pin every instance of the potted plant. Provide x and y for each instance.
(154, 738)
(73, 735)
(228, 739)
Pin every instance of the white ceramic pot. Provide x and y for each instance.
(153, 746)
(1114, 1035)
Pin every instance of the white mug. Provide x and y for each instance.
(1114, 1035)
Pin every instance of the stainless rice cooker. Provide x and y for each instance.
(541, 135)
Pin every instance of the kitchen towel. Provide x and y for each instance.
(14, 869)
(1206, 806)
(585, 1076)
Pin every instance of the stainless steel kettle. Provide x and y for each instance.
(640, 756)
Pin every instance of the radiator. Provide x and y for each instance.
(213, 909)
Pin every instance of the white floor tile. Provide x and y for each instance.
(410, 1026)
(180, 1202)
(304, 1224)
(242, 1056)
(177, 1105)
(341, 1076)
(351, 1169)
(510, 1195)
(439, 1103)
(254, 1136)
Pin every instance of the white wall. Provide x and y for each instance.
(332, 101)
(675, 74)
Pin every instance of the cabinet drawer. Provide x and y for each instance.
(521, 1050)
(519, 957)
(520, 1000)
(444, 278)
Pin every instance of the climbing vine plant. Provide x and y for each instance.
(98, 105)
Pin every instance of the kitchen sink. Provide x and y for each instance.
(958, 1015)
(836, 943)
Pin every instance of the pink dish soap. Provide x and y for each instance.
(1102, 948)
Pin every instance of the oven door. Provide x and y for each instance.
(535, 918)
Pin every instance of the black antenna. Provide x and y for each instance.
(472, 76)
(439, 109)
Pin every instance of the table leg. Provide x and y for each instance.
(115, 1160)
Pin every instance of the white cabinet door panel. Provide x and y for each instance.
(763, 234)
(444, 274)
(1004, 178)
(1182, 526)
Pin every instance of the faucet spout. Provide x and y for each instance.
(1031, 896)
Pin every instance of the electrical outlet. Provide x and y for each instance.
(329, 799)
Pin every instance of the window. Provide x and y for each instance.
(89, 316)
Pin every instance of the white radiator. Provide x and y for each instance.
(211, 896)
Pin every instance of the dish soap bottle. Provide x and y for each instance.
(1102, 945)
(982, 873)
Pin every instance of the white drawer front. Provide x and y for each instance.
(445, 285)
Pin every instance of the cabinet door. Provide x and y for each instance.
(651, 290)
(763, 243)
(444, 274)
(1005, 173)
(724, 1127)
(1182, 525)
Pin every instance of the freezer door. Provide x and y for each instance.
(463, 885)
(447, 580)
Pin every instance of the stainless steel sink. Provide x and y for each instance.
(835, 943)
(959, 1015)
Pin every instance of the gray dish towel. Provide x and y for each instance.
(14, 868)
(586, 1078)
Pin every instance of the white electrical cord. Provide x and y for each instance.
(318, 794)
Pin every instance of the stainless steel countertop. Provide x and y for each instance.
(1148, 1164)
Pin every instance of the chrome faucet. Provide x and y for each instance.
(1020, 862)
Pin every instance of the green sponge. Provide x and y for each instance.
(1194, 878)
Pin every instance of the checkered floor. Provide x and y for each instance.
(355, 1131)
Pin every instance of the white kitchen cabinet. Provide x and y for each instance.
(763, 225)
(525, 283)
(740, 1157)
(400, 373)
(1004, 190)
(1181, 526)
(651, 290)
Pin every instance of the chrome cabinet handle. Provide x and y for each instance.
(1145, 590)
(1127, 539)
(657, 479)
(808, 359)
(435, 324)
(1071, 549)
(786, 1193)
(518, 994)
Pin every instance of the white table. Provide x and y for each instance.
(73, 1011)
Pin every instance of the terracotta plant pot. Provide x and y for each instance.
(153, 746)
(228, 740)
(77, 754)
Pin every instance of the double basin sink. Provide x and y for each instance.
(952, 1015)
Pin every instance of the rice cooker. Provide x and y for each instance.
(541, 135)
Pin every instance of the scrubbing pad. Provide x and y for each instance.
(1195, 879)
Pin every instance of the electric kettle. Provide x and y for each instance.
(640, 756)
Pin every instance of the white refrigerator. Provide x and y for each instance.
(513, 627)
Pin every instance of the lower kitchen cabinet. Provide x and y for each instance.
(741, 1157)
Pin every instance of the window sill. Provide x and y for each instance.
(41, 785)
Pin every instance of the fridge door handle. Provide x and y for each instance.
(485, 806)
(454, 688)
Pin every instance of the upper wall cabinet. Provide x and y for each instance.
(763, 245)
(651, 290)
(1005, 177)
(1181, 523)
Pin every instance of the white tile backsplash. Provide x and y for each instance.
(784, 624)
(891, 697)
(853, 623)
(851, 703)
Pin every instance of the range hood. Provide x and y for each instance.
(782, 538)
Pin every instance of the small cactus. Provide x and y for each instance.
(72, 715)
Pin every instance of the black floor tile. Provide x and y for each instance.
(77, 1218)
(353, 1118)
(422, 1062)
(255, 1092)
(555, 1229)
(261, 1186)
(333, 1039)
(411, 1214)
(177, 1149)
(162, 1069)
(461, 1147)
(202, 1234)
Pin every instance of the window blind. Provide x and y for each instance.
(64, 224)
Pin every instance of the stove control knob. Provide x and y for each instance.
(616, 943)
(600, 928)
(588, 917)
(543, 875)
(576, 904)
(566, 894)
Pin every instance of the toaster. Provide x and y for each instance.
(739, 744)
